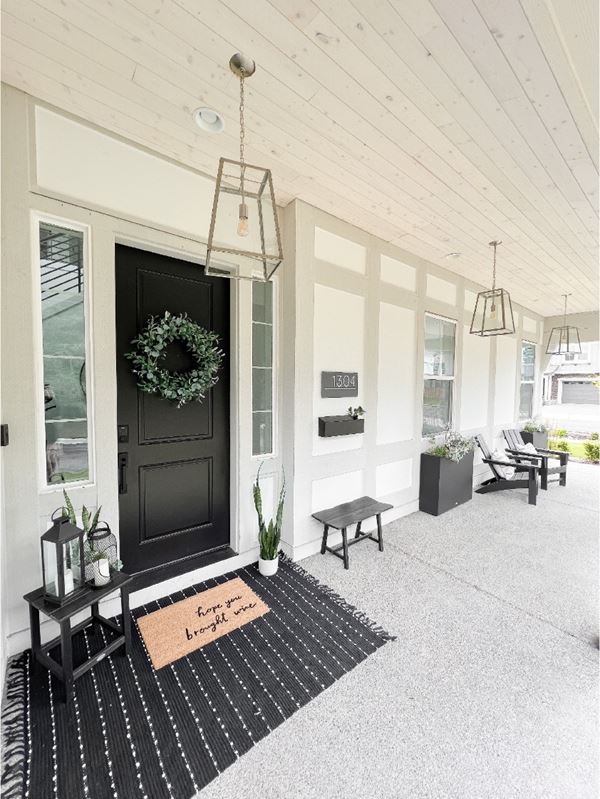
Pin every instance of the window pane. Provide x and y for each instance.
(262, 345)
(439, 346)
(526, 401)
(262, 302)
(528, 362)
(63, 338)
(437, 405)
(262, 433)
(262, 371)
(262, 389)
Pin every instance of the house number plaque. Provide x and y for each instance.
(339, 384)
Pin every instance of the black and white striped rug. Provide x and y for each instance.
(133, 732)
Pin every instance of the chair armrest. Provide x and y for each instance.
(511, 464)
(527, 455)
(555, 453)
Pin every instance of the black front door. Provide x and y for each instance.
(173, 462)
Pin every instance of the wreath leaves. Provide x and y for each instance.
(180, 387)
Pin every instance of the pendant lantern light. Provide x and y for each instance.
(493, 314)
(564, 339)
(244, 239)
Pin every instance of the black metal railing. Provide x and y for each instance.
(61, 261)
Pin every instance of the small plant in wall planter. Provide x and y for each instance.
(269, 535)
(356, 413)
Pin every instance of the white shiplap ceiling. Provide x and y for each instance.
(436, 124)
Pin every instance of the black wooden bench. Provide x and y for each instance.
(343, 516)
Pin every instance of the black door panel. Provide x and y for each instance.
(174, 470)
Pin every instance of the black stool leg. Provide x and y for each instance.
(34, 628)
(345, 542)
(357, 533)
(379, 532)
(66, 655)
(126, 619)
(324, 541)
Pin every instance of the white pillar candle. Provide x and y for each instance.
(68, 581)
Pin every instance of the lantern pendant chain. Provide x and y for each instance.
(494, 244)
(565, 313)
(242, 136)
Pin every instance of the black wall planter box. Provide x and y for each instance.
(539, 440)
(444, 484)
(340, 426)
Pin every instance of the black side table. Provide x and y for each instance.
(62, 614)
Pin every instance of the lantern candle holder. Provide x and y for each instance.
(62, 560)
(101, 556)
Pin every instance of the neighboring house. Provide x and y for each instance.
(571, 379)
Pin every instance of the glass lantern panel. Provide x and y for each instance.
(50, 568)
(250, 248)
(72, 560)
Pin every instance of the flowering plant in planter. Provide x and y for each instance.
(534, 427)
(453, 446)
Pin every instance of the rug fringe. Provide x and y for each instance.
(337, 599)
(14, 729)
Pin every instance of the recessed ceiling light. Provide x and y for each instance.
(208, 120)
(453, 255)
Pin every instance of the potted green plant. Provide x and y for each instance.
(535, 433)
(269, 535)
(100, 545)
(446, 473)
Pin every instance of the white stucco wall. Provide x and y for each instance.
(371, 320)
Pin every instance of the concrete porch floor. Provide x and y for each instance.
(490, 691)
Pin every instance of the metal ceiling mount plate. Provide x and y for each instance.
(241, 64)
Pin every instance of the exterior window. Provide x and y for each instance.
(527, 380)
(262, 368)
(440, 335)
(62, 292)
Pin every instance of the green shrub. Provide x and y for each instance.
(560, 432)
(594, 436)
(559, 444)
(592, 451)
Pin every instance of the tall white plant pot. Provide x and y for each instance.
(268, 567)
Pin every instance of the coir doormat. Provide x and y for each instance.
(137, 732)
(175, 631)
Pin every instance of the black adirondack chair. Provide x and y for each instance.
(501, 483)
(515, 442)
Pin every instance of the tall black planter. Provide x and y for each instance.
(444, 483)
(539, 440)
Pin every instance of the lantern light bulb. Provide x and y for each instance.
(242, 227)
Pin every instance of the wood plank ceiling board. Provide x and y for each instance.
(436, 126)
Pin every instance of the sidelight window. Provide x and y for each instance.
(62, 287)
(438, 387)
(262, 368)
(527, 380)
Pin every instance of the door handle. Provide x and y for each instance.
(123, 459)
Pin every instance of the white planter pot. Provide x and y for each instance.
(268, 567)
(102, 573)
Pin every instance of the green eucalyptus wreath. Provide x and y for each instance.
(181, 387)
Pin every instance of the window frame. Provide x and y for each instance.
(38, 218)
(274, 453)
(446, 378)
(525, 342)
